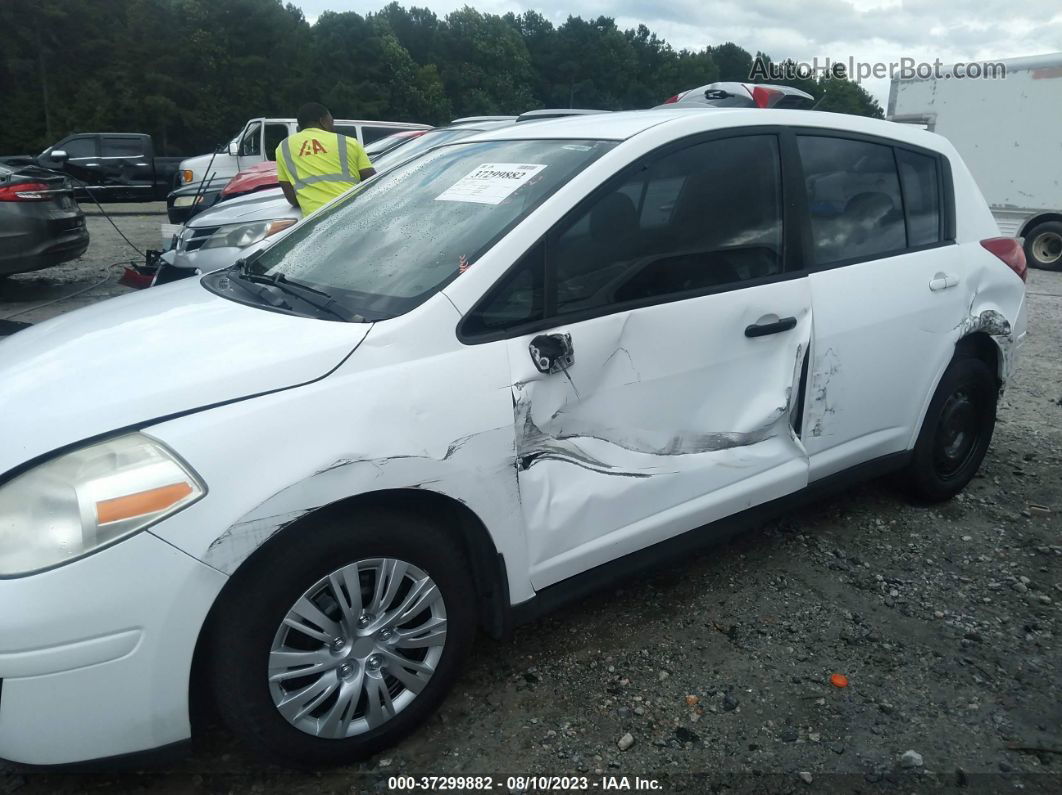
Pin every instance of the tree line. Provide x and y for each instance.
(190, 72)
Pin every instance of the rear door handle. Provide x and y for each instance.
(942, 281)
(774, 327)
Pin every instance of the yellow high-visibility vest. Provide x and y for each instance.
(320, 165)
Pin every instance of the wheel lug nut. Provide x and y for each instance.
(374, 663)
(337, 644)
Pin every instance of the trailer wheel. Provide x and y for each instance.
(1043, 246)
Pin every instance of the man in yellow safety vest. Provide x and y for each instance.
(316, 164)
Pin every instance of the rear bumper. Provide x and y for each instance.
(31, 243)
(96, 656)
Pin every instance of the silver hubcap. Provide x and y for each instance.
(1047, 247)
(357, 648)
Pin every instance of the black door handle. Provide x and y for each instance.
(777, 327)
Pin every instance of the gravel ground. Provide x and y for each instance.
(715, 675)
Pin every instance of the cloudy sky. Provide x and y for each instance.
(867, 30)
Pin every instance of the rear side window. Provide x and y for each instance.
(854, 199)
(349, 130)
(274, 134)
(370, 134)
(921, 194)
(123, 147)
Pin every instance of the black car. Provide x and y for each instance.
(108, 166)
(40, 222)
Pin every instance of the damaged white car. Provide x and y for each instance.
(476, 386)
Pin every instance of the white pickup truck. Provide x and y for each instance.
(1009, 132)
(257, 141)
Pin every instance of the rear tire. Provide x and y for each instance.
(379, 675)
(1043, 246)
(956, 431)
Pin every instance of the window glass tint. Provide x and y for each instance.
(252, 141)
(370, 134)
(394, 240)
(704, 217)
(79, 147)
(123, 147)
(349, 130)
(853, 198)
(274, 134)
(517, 299)
(921, 194)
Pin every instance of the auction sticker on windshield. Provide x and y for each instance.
(490, 183)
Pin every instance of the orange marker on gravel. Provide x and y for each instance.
(839, 680)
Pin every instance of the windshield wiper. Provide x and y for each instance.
(302, 291)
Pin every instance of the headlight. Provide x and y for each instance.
(86, 499)
(244, 235)
(186, 201)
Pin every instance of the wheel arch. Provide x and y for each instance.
(449, 515)
(1036, 220)
(981, 345)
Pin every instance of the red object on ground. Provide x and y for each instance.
(257, 177)
(839, 680)
(131, 277)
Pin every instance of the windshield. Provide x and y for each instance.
(388, 245)
(429, 140)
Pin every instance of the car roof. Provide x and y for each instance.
(691, 119)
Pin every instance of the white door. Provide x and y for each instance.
(886, 292)
(659, 396)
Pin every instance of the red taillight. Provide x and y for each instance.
(1010, 251)
(25, 192)
(669, 100)
(764, 97)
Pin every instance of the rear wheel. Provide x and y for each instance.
(1043, 246)
(956, 431)
(343, 638)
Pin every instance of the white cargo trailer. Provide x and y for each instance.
(1009, 132)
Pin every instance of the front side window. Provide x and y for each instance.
(853, 199)
(921, 195)
(370, 134)
(251, 145)
(395, 240)
(79, 147)
(703, 218)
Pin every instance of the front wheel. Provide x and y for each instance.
(342, 638)
(956, 431)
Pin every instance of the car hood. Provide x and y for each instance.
(265, 205)
(130, 360)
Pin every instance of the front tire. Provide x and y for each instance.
(956, 431)
(1043, 246)
(342, 637)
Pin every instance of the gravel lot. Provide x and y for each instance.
(946, 622)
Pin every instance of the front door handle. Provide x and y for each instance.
(942, 281)
(773, 327)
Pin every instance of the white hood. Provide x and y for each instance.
(139, 357)
(263, 205)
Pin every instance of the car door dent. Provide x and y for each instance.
(822, 407)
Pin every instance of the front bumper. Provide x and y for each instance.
(96, 655)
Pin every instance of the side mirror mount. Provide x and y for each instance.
(58, 154)
(552, 353)
(234, 148)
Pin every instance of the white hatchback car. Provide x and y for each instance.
(479, 384)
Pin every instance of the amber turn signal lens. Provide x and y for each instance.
(142, 503)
